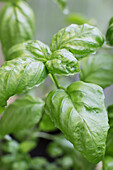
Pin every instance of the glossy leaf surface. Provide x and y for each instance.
(97, 69)
(81, 40)
(62, 62)
(59, 62)
(81, 115)
(16, 24)
(19, 75)
(34, 49)
(21, 114)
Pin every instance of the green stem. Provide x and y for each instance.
(44, 135)
(54, 79)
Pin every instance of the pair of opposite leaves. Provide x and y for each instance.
(33, 62)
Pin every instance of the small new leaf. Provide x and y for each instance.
(19, 75)
(62, 62)
(16, 24)
(80, 40)
(97, 69)
(21, 114)
(81, 115)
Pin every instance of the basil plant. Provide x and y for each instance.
(78, 110)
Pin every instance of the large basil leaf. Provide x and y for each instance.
(109, 34)
(19, 75)
(35, 49)
(108, 163)
(109, 143)
(59, 62)
(97, 69)
(81, 40)
(21, 114)
(81, 115)
(16, 24)
(62, 62)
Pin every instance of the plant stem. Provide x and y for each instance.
(44, 135)
(54, 79)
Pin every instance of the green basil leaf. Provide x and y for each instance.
(110, 115)
(109, 34)
(59, 62)
(66, 162)
(16, 24)
(19, 75)
(27, 146)
(63, 5)
(21, 114)
(38, 163)
(46, 124)
(108, 163)
(10, 146)
(54, 150)
(80, 40)
(2, 109)
(62, 62)
(20, 164)
(97, 69)
(109, 142)
(81, 115)
(35, 49)
(79, 19)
